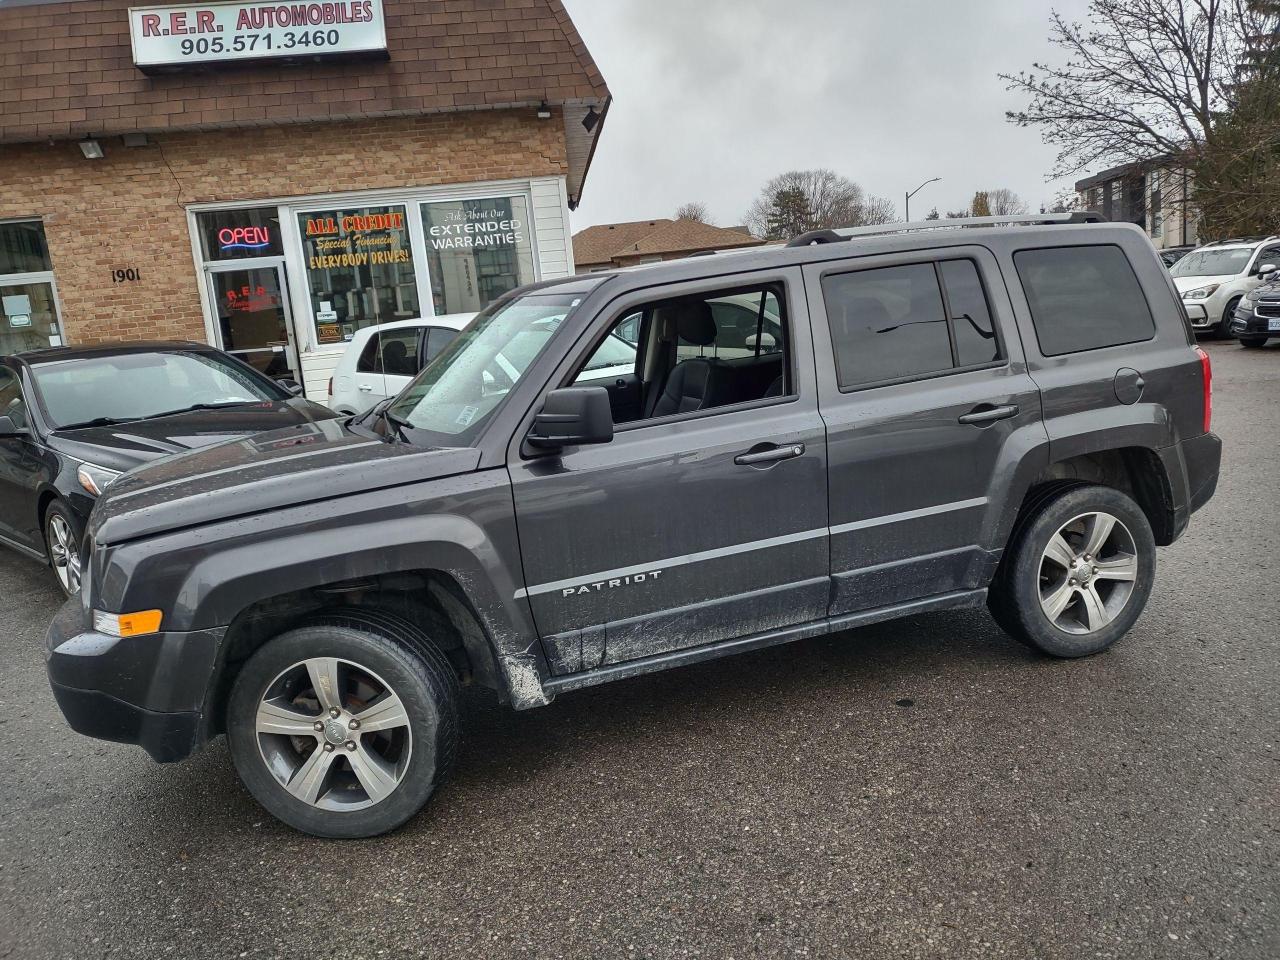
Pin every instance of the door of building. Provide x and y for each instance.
(28, 315)
(255, 322)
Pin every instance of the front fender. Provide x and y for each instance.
(462, 526)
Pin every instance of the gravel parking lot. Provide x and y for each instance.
(918, 789)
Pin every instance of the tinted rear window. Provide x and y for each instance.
(1083, 298)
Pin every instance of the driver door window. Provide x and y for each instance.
(698, 353)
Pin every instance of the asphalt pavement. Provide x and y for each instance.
(926, 788)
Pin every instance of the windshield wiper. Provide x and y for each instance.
(97, 422)
(200, 406)
(399, 423)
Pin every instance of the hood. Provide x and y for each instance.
(126, 445)
(285, 468)
(1192, 283)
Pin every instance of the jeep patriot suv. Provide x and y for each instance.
(858, 426)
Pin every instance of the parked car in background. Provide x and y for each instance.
(380, 360)
(1214, 279)
(1015, 417)
(1257, 317)
(73, 419)
(1171, 255)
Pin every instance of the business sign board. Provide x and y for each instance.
(200, 34)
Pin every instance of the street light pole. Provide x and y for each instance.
(906, 213)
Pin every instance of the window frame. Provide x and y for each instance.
(27, 406)
(1031, 314)
(845, 268)
(642, 301)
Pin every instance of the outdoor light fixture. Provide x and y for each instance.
(591, 119)
(544, 111)
(91, 149)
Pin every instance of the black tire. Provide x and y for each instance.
(1224, 325)
(392, 650)
(66, 571)
(1253, 343)
(1015, 596)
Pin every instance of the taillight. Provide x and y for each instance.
(1206, 374)
(331, 387)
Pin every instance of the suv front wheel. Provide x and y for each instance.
(344, 726)
(1079, 572)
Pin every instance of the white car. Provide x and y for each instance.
(1214, 279)
(382, 360)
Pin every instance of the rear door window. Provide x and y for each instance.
(1083, 298)
(897, 323)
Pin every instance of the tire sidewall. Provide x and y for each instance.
(59, 508)
(398, 667)
(1224, 325)
(1036, 628)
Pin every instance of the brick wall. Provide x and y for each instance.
(66, 70)
(128, 209)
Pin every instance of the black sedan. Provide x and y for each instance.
(72, 419)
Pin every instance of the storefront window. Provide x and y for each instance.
(23, 248)
(239, 234)
(477, 250)
(359, 269)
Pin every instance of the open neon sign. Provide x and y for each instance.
(244, 238)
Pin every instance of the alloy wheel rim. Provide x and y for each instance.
(1088, 573)
(64, 554)
(334, 734)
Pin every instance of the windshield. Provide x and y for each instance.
(1213, 263)
(458, 392)
(138, 386)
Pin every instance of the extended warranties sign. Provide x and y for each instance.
(208, 33)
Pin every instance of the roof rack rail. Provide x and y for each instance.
(1219, 243)
(849, 233)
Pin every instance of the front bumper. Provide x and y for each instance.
(1197, 314)
(1247, 323)
(145, 690)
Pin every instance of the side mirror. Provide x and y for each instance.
(10, 429)
(293, 386)
(573, 416)
(1267, 268)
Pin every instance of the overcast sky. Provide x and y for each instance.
(714, 97)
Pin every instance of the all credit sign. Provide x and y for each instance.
(194, 34)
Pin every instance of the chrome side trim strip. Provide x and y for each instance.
(909, 515)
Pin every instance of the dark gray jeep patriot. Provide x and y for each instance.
(858, 426)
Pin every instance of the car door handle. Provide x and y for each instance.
(986, 413)
(772, 455)
(366, 388)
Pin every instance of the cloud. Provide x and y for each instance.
(714, 97)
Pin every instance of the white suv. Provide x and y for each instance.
(381, 360)
(1214, 279)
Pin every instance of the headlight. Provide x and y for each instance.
(95, 479)
(1202, 293)
(1253, 294)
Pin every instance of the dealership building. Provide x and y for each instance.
(270, 177)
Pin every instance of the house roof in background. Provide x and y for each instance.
(606, 242)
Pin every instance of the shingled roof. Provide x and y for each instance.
(66, 71)
(608, 243)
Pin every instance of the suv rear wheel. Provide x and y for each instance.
(344, 726)
(1078, 573)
